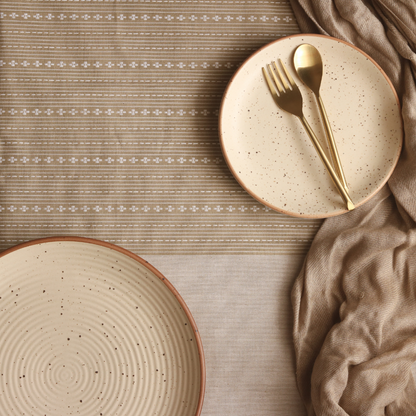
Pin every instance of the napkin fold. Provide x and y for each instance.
(355, 299)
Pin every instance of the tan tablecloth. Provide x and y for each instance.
(108, 129)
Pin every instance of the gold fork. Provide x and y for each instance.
(290, 99)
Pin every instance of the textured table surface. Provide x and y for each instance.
(109, 130)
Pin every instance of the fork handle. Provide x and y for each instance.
(332, 144)
(327, 164)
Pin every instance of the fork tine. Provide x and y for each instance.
(281, 76)
(277, 83)
(269, 82)
(289, 77)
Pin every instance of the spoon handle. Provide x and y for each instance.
(332, 145)
(337, 182)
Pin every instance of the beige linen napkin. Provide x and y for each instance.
(355, 299)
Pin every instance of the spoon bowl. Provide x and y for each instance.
(309, 66)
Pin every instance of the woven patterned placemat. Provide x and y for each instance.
(109, 118)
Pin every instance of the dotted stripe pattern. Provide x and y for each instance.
(108, 124)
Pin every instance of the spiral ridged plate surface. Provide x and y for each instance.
(89, 329)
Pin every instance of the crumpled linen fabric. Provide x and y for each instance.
(355, 299)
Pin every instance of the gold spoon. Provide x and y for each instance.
(309, 67)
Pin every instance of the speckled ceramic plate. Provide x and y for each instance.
(88, 328)
(269, 152)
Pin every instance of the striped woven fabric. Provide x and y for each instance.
(109, 119)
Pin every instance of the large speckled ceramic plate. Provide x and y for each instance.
(88, 328)
(269, 152)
